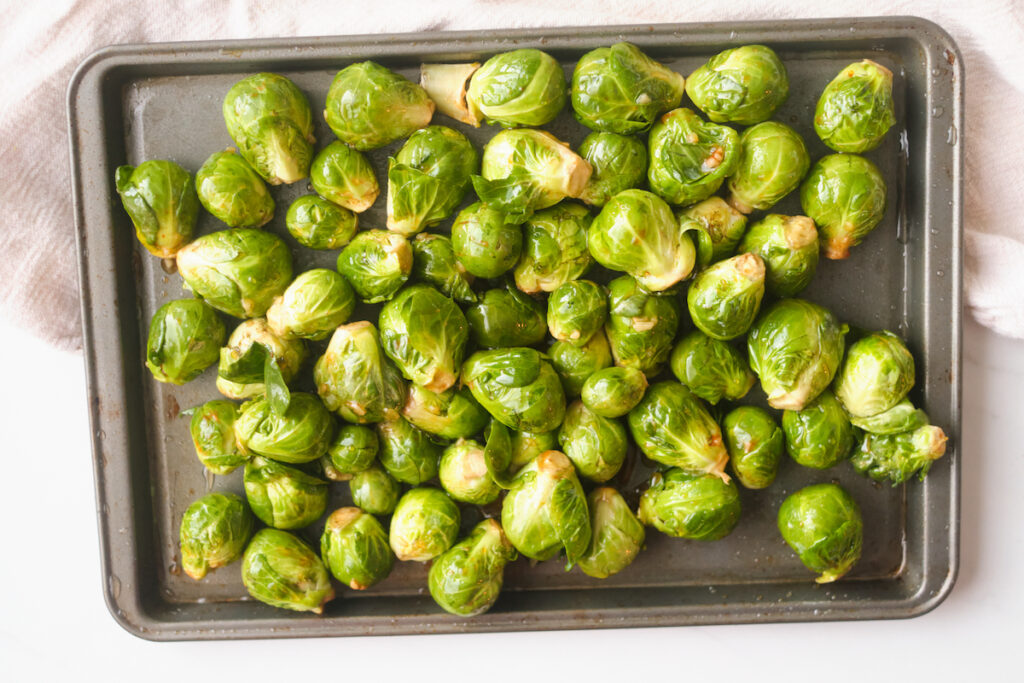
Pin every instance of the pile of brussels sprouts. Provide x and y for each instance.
(520, 361)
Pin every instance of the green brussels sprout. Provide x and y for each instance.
(574, 364)
(744, 85)
(230, 189)
(463, 473)
(213, 534)
(637, 233)
(823, 526)
(795, 348)
(690, 158)
(269, 119)
(506, 317)
(613, 392)
(282, 571)
(902, 417)
(641, 325)
(184, 339)
(240, 373)
(369, 106)
(302, 434)
(161, 200)
(617, 535)
(755, 444)
(212, 429)
(723, 225)
(596, 445)
(725, 297)
(855, 110)
(355, 548)
(844, 194)
(435, 264)
(317, 223)
(447, 86)
(376, 263)
(315, 303)
(672, 427)
(546, 510)
(897, 457)
(876, 374)
(517, 387)
(282, 496)
(701, 507)
(622, 90)
(451, 414)
(577, 310)
(820, 435)
(407, 452)
(619, 163)
(344, 176)
(554, 248)
(518, 88)
(485, 243)
(239, 271)
(466, 579)
(352, 450)
(773, 161)
(528, 445)
(374, 490)
(711, 369)
(425, 524)
(788, 245)
(355, 379)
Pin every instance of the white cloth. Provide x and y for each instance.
(43, 42)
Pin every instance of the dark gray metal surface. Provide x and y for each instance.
(131, 103)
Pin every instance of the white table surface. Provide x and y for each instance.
(55, 625)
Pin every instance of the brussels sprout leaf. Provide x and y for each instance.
(567, 508)
(514, 195)
(278, 395)
(498, 454)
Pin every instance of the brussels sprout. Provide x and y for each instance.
(617, 535)
(446, 84)
(354, 546)
(317, 223)
(897, 457)
(902, 417)
(212, 429)
(463, 473)
(528, 445)
(546, 510)
(230, 189)
(376, 263)
(672, 427)
(622, 90)
(524, 170)
(844, 194)
(690, 158)
(344, 176)
(724, 298)
(641, 325)
(407, 452)
(184, 339)
(701, 507)
(711, 369)
(855, 110)
(596, 445)
(374, 490)
(353, 450)
(519, 88)
(637, 233)
(755, 443)
(239, 271)
(744, 85)
(451, 414)
(161, 200)
(822, 524)
(485, 242)
(574, 364)
(302, 434)
(355, 379)
(619, 163)
(876, 374)
(314, 304)
(240, 373)
(268, 117)
(214, 531)
(467, 579)
(820, 435)
(435, 264)
(517, 387)
(795, 348)
(773, 161)
(554, 248)
(369, 106)
(424, 525)
(576, 311)
(283, 497)
(506, 317)
(282, 571)
(788, 245)
(722, 224)
(613, 392)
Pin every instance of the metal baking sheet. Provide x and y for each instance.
(131, 103)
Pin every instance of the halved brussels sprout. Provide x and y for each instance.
(451, 414)
(239, 271)
(897, 457)
(313, 306)
(855, 110)
(240, 373)
(773, 161)
(485, 242)
(424, 525)
(161, 200)
(352, 450)
(528, 445)
(876, 374)
(374, 490)
(213, 533)
(282, 571)
(844, 194)
(723, 225)
(596, 445)
(269, 119)
(788, 245)
(376, 263)
(755, 443)
(617, 535)
(622, 90)
(463, 473)
(230, 189)
(725, 297)
(506, 317)
(744, 85)
(212, 429)
(467, 578)
(517, 387)
(283, 497)
(554, 248)
(711, 369)
(576, 311)
(820, 435)
(317, 223)
(434, 263)
(355, 379)
(407, 452)
(613, 392)
(518, 88)
(641, 325)
(574, 364)
(446, 84)
(701, 507)
(902, 417)
(354, 546)
(619, 163)
(369, 106)
(302, 434)
(344, 176)
(823, 526)
(690, 158)
(184, 339)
